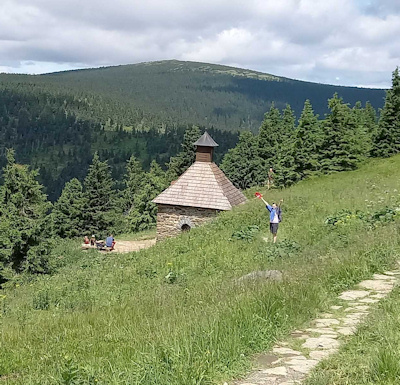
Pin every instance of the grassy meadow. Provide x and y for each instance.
(174, 314)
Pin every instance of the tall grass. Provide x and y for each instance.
(174, 314)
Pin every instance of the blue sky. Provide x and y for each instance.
(347, 42)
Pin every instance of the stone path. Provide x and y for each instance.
(291, 361)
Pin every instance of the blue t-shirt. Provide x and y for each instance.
(274, 214)
(109, 241)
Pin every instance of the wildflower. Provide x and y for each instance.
(17, 285)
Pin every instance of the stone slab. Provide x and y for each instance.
(351, 295)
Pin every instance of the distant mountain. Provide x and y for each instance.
(173, 92)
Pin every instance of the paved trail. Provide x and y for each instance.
(286, 365)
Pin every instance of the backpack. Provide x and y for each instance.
(279, 212)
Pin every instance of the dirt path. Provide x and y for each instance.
(290, 362)
(129, 246)
(126, 246)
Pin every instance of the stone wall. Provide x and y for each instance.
(170, 219)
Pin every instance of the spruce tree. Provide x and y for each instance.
(144, 213)
(387, 139)
(181, 162)
(242, 164)
(269, 134)
(341, 147)
(68, 212)
(307, 142)
(285, 173)
(133, 179)
(24, 225)
(99, 198)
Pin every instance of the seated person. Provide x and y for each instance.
(92, 240)
(86, 240)
(110, 242)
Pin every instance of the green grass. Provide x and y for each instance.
(173, 314)
(372, 356)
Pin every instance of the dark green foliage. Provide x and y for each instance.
(181, 162)
(99, 198)
(285, 162)
(242, 164)
(342, 144)
(246, 234)
(269, 136)
(387, 139)
(49, 132)
(68, 212)
(307, 142)
(133, 180)
(24, 224)
(173, 92)
(143, 214)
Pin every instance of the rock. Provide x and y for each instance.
(378, 296)
(376, 285)
(384, 277)
(322, 331)
(270, 275)
(351, 295)
(369, 300)
(336, 307)
(302, 366)
(323, 322)
(321, 354)
(278, 371)
(286, 351)
(346, 330)
(321, 343)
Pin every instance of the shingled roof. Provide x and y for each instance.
(206, 141)
(203, 185)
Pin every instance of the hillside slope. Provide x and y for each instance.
(176, 92)
(173, 314)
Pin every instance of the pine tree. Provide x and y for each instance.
(100, 209)
(285, 173)
(24, 226)
(242, 164)
(133, 179)
(341, 145)
(269, 135)
(366, 126)
(68, 212)
(181, 162)
(144, 213)
(307, 142)
(387, 139)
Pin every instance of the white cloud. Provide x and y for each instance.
(347, 41)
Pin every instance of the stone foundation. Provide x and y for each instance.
(172, 220)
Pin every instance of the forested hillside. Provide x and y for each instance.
(172, 92)
(45, 132)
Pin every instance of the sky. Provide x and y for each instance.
(345, 42)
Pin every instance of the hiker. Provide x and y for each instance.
(93, 241)
(110, 242)
(271, 176)
(274, 218)
(86, 240)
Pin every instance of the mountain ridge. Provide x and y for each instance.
(171, 92)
